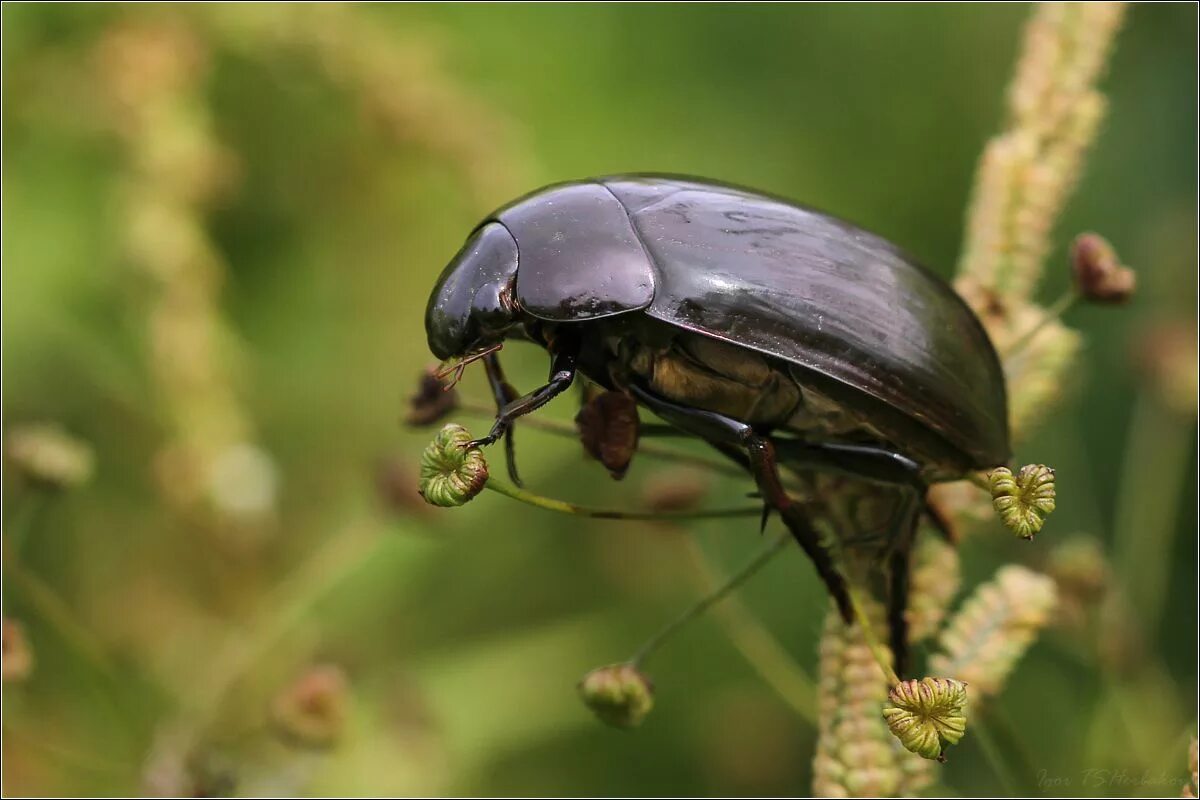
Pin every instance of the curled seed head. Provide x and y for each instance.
(433, 400)
(1099, 275)
(452, 473)
(927, 714)
(1024, 500)
(618, 694)
(48, 455)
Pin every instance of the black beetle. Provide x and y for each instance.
(778, 334)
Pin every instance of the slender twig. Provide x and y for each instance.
(282, 610)
(873, 643)
(648, 449)
(757, 645)
(563, 507)
(1055, 310)
(55, 612)
(1001, 723)
(991, 754)
(715, 596)
(28, 509)
(1152, 477)
(67, 757)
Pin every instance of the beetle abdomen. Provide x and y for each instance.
(715, 376)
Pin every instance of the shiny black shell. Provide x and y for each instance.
(840, 306)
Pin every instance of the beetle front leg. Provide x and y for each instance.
(726, 434)
(562, 375)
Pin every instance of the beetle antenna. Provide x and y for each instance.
(458, 367)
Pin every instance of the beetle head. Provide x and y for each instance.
(472, 307)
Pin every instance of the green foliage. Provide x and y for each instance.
(221, 226)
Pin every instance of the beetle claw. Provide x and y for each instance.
(766, 516)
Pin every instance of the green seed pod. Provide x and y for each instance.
(1024, 500)
(927, 714)
(452, 473)
(618, 694)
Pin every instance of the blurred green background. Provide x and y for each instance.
(221, 225)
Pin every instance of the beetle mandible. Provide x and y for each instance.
(778, 334)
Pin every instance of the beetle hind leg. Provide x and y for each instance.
(766, 474)
(757, 452)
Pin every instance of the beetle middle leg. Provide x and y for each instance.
(726, 433)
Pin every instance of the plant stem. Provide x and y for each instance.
(29, 508)
(55, 612)
(761, 650)
(999, 722)
(871, 639)
(715, 596)
(1145, 512)
(991, 753)
(563, 507)
(653, 450)
(1053, 312)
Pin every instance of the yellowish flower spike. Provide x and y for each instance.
(452, 473)
(856, 754)
(1024, 500)
(927, 714)
(983, 642)
(618, 694)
